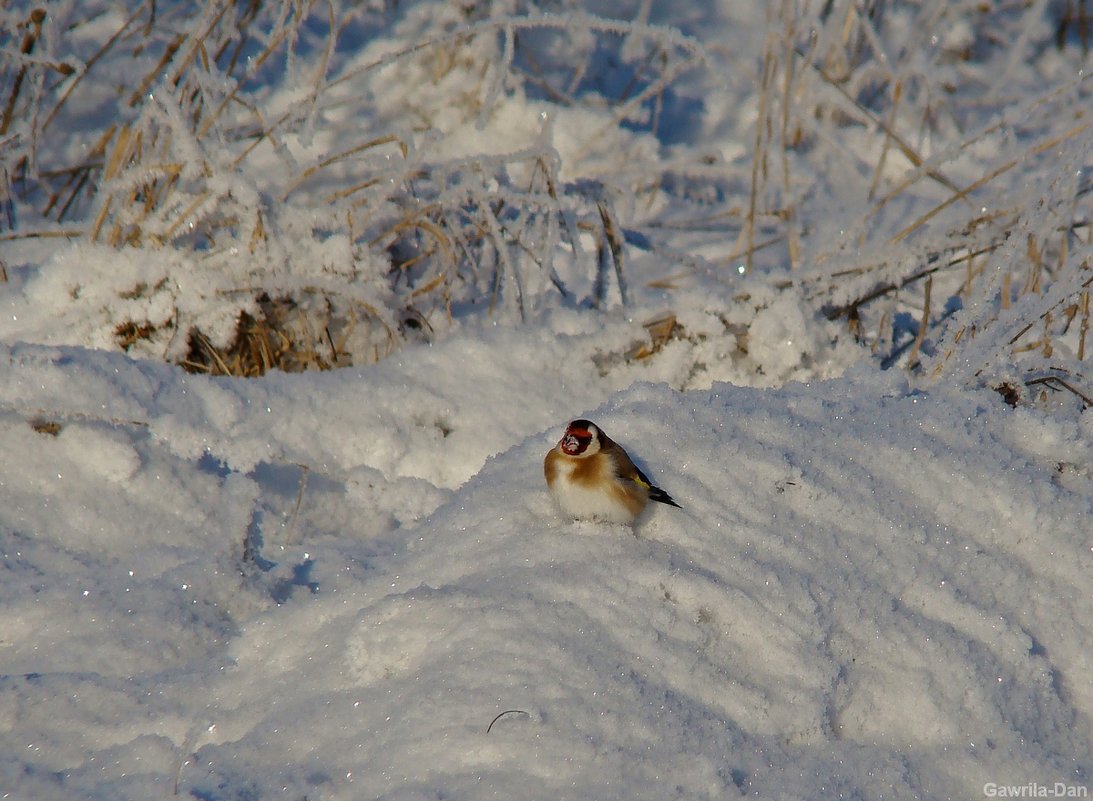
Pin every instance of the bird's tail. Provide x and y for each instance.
(660, 496)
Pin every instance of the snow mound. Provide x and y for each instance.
(871, 592)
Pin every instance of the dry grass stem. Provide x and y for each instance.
(962, 194)
(924, 323)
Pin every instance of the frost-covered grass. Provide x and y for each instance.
(362, 176)
(822, 268)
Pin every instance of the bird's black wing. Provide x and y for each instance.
(655, 493)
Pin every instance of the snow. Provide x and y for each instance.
(871, 591)
(354, 584)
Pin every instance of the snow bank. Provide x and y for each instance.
(871, 592)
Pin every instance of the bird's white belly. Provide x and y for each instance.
(586, 502)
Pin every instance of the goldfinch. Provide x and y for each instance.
(590, 476)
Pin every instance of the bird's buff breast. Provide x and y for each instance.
(599, 501)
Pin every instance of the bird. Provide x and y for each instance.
(592, 477)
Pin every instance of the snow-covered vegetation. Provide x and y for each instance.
(295, 296)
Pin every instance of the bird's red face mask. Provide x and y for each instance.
(576, 440)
